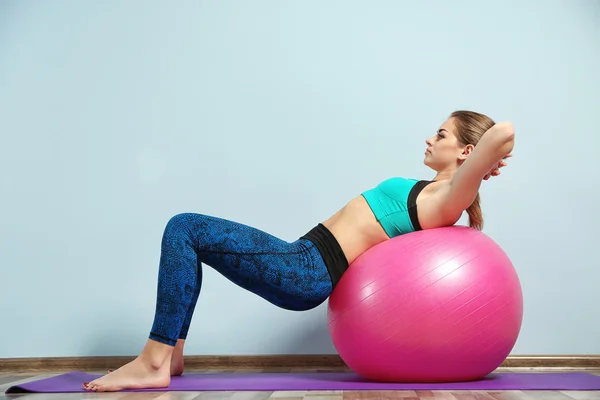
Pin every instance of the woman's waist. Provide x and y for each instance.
(356, 228)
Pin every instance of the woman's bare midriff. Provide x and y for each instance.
(357, 230)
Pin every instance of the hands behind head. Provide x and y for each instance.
(495, 171)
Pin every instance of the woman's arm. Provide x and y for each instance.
(493, 146)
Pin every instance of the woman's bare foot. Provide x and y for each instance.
(151, 369)
(176, 359)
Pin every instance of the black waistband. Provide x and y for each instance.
(330, 250)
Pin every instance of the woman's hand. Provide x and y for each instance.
(495, 171)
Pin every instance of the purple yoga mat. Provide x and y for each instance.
(71, 382)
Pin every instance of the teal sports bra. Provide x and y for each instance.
(394, 203)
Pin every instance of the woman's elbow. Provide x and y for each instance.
(505, 131)
(504, 137)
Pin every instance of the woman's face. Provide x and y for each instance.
(443, 149)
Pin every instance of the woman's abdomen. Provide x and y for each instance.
(356, 228)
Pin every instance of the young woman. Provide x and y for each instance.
(467, 149)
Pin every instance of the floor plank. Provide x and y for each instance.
(4, 379)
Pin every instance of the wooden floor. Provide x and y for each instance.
(7, 380)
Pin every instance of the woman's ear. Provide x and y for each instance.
(466, 151)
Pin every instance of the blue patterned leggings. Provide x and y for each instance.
(291, 275)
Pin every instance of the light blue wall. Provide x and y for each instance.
(117, 115)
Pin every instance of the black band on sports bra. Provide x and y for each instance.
(412, 203)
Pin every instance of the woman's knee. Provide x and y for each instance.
(178, 224)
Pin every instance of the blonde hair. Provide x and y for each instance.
(470, 127)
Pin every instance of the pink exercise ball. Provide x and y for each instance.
(437, 305)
